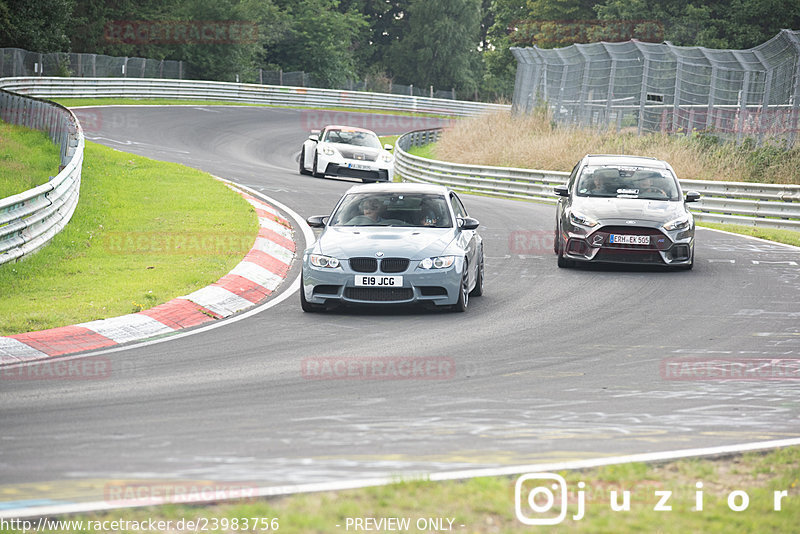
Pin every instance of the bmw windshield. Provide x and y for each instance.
(385, 209)
(628, 182)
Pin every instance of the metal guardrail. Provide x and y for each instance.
(29, 220)
(275, 95)
(762, 205)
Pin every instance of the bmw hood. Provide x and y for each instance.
(608, 209)
(412, 243)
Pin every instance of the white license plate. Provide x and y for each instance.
(359, 166)
(379, 281)
(629, 239)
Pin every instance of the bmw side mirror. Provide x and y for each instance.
(317, 221)
(467, 223)
(387, 146)
(561, 190)
(692, 196)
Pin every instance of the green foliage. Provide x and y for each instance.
(40, 26)
(711, 23)
(445, 43)
(440, 48)
(319, 40)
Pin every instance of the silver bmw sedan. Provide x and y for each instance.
(394, 244)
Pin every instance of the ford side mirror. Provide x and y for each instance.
(692, 196)
(561, 190)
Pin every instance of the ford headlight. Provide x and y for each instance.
(438, 262)
(678, 224)
(580, 219)
(328, 151)
(323, 262)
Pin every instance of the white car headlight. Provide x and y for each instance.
(438, 262)
(678, 224)
(387, 158)
(578, 218)
(328, 151)
(324, 262)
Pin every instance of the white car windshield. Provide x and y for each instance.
(393, 209)
(628, 182)
(353, 137)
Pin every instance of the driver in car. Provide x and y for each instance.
(371, 212)
(427, 216)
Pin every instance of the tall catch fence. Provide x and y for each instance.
(659, 87)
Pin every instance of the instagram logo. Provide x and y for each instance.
(540, 499)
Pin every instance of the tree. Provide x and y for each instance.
(39, 26)
(319, 39)
(386, 23)
(441, 45)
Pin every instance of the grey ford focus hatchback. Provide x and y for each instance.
(624, 209)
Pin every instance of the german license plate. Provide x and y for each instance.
(629, 239)
(359, 166)
(379, 281)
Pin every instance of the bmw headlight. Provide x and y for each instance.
(323, 262)
(328, 151)
(580, 219)
(678, 224)
(438, 262)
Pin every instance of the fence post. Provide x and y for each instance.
(794, 119)
(610, 92)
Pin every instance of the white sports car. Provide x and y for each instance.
(347, 151)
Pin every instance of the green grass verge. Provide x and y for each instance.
(27, 158)
(76, 102)
(424, 151)
(143, 233)
(789, 237)
(486, 505)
